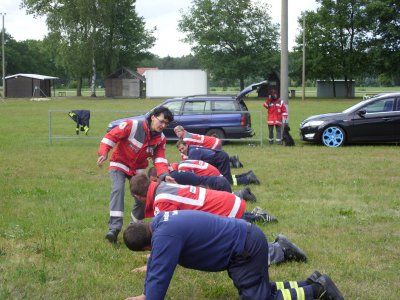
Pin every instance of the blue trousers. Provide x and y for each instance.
(221, 162)
(218, 183)
(249, 273)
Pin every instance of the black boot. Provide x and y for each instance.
(246, 194)
(290, 250)
(112, 235)
(252, 178)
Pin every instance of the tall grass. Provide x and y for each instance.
(341, 206)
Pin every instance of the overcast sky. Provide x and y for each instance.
(163, 14)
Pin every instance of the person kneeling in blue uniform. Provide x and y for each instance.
(206, 242)
(218, 183)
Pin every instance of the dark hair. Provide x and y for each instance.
(139, 184)
(137, 236)
(161, 110)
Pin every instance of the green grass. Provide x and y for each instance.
(341, 206)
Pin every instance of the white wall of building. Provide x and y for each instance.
(175, 83)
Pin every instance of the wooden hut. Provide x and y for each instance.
(125, 83)
(28, 86)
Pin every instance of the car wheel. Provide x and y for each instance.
(218, 133)
(333, 136)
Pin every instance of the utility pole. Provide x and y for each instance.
(3, 58)
(284, 55)
(304, 58)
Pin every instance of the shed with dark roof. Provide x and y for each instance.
(28, 85)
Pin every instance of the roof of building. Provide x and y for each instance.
(142, 70)
(35, 76)
(125, 72)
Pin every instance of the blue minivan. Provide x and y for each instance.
(225, 117)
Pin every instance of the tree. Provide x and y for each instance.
(29, 56)
(337, 40)
(385, 37)
(231, 39)
(94, 35)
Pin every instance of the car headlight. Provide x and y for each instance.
(315, 123)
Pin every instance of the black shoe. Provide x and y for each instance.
(112, 235)
(313, 277)
(252, 178)
(246, 194)
(290, 250)
(234, 162)
(239, 163)
(263, 215)
(331, 292)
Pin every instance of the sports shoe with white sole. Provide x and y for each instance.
(263, 215)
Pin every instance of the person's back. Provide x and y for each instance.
(204, 241)
(195, 139)
(167, 197)
(198, 167)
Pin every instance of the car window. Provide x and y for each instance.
(383, 105)
(224, 106)
(174, 106)
(194, 107)
(398, 104)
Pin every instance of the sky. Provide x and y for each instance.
(163, 14)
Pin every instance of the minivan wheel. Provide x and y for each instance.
(218, 133)
(333, 136)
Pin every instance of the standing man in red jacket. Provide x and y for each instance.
(133, 141)
(277, 113)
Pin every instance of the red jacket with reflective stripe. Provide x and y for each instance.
(165, 196)
(201, 140)
(198, 167)
(276, 111)
(133, 144)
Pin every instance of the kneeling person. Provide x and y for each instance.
(202, 241)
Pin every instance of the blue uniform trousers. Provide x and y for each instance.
(249, 273)
(221, 162)
(218, 183)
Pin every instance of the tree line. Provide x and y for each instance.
(236, 42)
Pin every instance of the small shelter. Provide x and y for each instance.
(328, 88)
(273, 83)
(125, 83)
(29, 85)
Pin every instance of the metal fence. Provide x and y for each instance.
(62, 128)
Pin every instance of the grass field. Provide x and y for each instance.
(341, 206)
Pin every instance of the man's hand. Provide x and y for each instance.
(101, 159)
(140, 297)
(169, 179)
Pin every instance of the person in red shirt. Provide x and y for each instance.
(218, 183)
(162, 196)
(277, 114)
(133, 142)
(206, 141)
